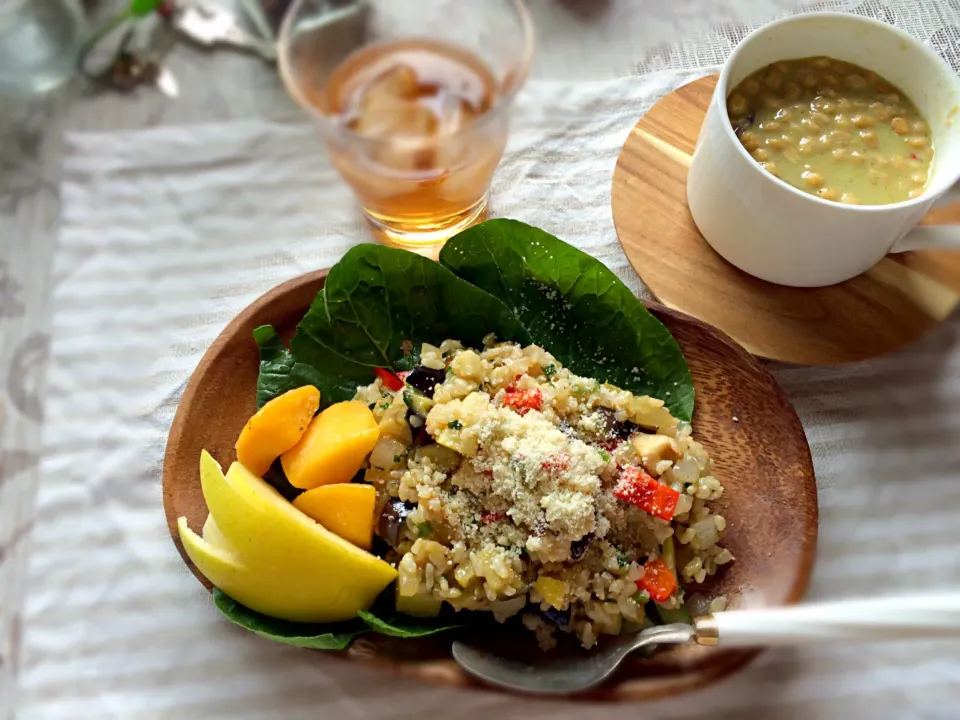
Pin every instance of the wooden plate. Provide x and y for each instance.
(890, 305)
(742, 417)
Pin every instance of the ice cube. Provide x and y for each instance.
(397, 83)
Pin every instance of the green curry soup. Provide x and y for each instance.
(834, 130)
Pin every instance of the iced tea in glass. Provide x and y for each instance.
(413, 100)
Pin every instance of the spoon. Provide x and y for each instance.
(868, 620)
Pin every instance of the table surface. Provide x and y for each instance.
(577, 39)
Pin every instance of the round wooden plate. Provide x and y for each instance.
(743, 418)
(890, 305)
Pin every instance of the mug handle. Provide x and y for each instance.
(926, 237)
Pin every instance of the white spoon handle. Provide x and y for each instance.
(876, 620)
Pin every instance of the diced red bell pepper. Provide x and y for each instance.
(556, 462)
(390, 381)
(658, 580)
(636, 487)
(522, 401)
(488, 517)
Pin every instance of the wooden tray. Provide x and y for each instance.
(890, 305)
(770, 498)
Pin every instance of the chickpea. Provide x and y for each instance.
(830, 80)
(772, 102)
(855, 81)
(828, 92)
(900, 126)
(808, 80)
(862, 121)
(736, 104)
(849, 199)
(879, 161)
(918, 127)
(773, 79)
(919, 179)
(840, 137)
(775, 143)
(781, 67)
(845, 104)
(769, 126)
(880, 111)
(869, 138)
(841, 154)
(792, 91)
(820, 62)
(842, 122)
(810, 124)
(871, 77)
(749, 140)
(806, 145)
(821, 118)
(891, 98)
(783, 115)
(750, 87)
(829, 194)
(770, 168)
(811, 179)
(791, 156)
(857, 158)
(760, 155)
(899, 163)
(918, 141)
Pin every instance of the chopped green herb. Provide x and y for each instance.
(396, 458)
(455, 425)
(550, 370)
(604, 455)
(623, 560)
(641, 597)
(448, 371)
(424, 529)
(384, 406)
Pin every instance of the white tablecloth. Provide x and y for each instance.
(167, 233)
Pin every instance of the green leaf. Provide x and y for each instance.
(140, 8)
(404, 626)
(376, 302)
(575, 307)
(332, 636)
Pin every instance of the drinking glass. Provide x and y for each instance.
(412, 99)
(39, 42)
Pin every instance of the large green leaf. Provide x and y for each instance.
(332, 636)
(377, 305)
(575, 307)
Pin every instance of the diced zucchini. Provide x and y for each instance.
(676, 615)
(424, 605)
(417, 401)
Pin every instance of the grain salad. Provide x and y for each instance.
(508, 484)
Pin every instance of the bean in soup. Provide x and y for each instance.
(833, 129)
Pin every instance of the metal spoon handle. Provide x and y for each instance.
(874, 620)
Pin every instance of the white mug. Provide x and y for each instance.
(778, 233)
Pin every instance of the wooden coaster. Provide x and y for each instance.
(890, 305)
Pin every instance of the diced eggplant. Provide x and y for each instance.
(622, 429)
(425, 379)
(392, 519)
(579, 547)
(560, 618)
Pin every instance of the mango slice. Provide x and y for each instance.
(273, 558)
(333, 448)
(276, 428)
(344, 508)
